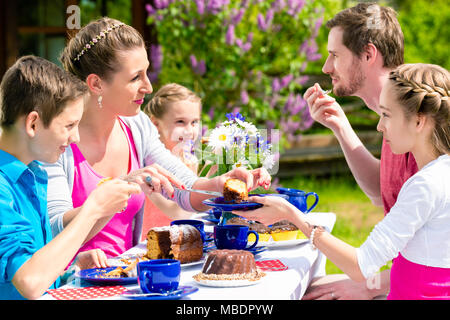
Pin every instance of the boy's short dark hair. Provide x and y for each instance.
(35, 84)
(371, 23)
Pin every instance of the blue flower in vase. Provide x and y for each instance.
(234, 116)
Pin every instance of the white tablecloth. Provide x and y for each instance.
(303, 262)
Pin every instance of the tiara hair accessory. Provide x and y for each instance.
(100, 36)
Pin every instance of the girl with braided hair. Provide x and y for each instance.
(415, 118)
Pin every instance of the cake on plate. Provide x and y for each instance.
(228, 264)
(181, 242)
(235, 190)
(262, 230)
(284, 230)
(123, 272)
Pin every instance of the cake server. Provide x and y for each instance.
(211, 193)
(148, 179)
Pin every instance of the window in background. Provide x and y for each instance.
(41, 24)
(41, 27)
(94, 9)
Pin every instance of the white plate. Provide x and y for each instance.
(276, 244)
(228, 283)
(185, 265)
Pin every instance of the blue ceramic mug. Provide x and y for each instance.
(216, 212)
(160, 275)
(233, 237)
(299, 197)
(200, 225)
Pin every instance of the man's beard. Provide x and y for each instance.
(356, 81)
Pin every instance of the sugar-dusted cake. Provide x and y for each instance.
(235, 190)
(181, 242)
(229, 265)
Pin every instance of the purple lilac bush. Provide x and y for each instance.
(246, 56)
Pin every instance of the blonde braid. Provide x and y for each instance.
(425, 89)
(414, 78)
(430, 91)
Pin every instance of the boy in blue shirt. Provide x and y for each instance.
(41, 106)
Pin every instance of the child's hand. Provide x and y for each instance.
(253, 178)
(274, 209)
(94, 258)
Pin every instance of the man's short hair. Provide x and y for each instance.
(35, 84)
(370, 23)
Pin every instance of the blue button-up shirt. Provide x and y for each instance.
(24, 223)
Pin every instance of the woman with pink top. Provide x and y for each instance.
(117, 139)
(415, 118)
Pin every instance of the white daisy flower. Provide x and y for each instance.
(268, 161)
(239, 143)
(221, 137)
(241, 163)
(248, 127)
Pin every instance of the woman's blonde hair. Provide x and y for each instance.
(167, 94)
(101, 57)
(425, 89)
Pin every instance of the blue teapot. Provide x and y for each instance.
(298, 198)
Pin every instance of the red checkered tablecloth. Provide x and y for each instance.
(86, 293)
(271, 265)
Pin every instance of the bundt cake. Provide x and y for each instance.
(235, 190)
(229, 265)
(181, 242)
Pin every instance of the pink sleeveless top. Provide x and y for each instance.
(117, 235)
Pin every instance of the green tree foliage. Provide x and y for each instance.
(240, 55)
(425, 25)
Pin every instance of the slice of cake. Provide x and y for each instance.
(262, 230)
(235, 190)
(238, 221)
(181, 242)
(230, 265)
(284, 230)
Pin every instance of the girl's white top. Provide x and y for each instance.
(418, 225)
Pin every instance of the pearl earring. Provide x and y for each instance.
(99, 101)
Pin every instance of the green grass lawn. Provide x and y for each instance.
(355, 214)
